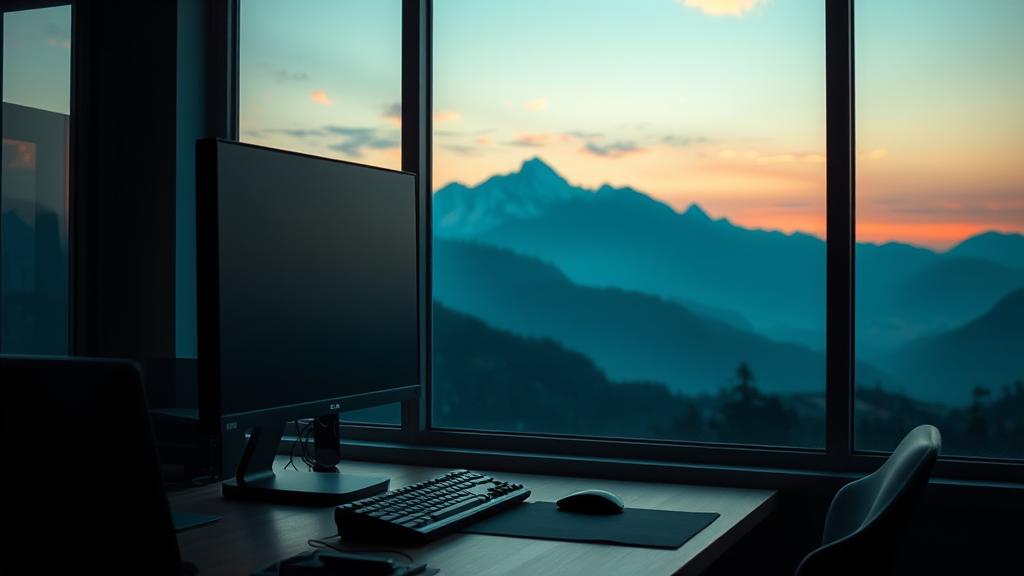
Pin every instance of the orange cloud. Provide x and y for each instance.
(722, 7)
(320, 97)
(537, 104)
(539, 139)
(874, 154)
(483, 141)
(447, 116)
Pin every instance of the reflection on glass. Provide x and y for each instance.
(322, 77)
(33, 204)
(629, 219)
(940, 217)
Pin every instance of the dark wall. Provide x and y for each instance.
(123, 168)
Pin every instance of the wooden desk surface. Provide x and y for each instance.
(252, 535)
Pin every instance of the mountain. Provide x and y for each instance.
(491, 379)
(942, 296)
(988, 351)
(1006, 249)
(622, 238)
(775, 282)
(463, 211)
(630, 335)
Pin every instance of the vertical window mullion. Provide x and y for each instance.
(416, 158)
(839, 122)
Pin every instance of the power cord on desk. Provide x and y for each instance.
(322, 544)
(330, 559)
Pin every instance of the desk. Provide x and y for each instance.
(252, 535)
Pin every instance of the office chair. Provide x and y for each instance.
(868, 517)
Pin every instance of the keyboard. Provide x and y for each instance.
(426, 511)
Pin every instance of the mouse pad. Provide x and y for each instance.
(633, 527)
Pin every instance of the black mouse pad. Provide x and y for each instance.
(633, 527)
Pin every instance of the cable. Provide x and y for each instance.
(322, 544)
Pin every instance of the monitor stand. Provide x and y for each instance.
(256, 479)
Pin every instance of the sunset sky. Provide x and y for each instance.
(719, 102)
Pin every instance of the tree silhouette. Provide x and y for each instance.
(751, 416)
(977, 432)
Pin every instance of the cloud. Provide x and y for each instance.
(282, 76)
(874, 154)
(447, 116)
(299, 132)
(680, 141)
(586, 135)
(355, 140)
(320, 97)
(393, 113)
(936, 207)
(349, 141)
(722, 7)
(783, 158)
(537, 104)
(537, 140)
(483, 141)
(462, 150)
(612, 150)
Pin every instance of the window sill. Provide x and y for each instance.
(1003, 495)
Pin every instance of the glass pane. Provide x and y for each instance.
(629, 219)
(940, 217)
(34, 201)
(322, 77)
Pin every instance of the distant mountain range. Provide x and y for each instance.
(621, 244)
(987, 352)
(632, 336)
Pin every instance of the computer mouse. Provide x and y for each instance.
(591, 502)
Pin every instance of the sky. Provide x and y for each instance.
(715, 102)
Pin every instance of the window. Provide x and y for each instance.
(322, 78)
(629, 220)
(579, 157)
(34, 205)
(940, 211)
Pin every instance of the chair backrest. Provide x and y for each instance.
(88, 483)
(868, 518)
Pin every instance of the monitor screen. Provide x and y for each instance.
(308, 288)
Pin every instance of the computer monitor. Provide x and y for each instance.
(308, 304)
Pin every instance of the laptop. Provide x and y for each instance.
(83, 469)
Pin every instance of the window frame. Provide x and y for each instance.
(814, 470)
